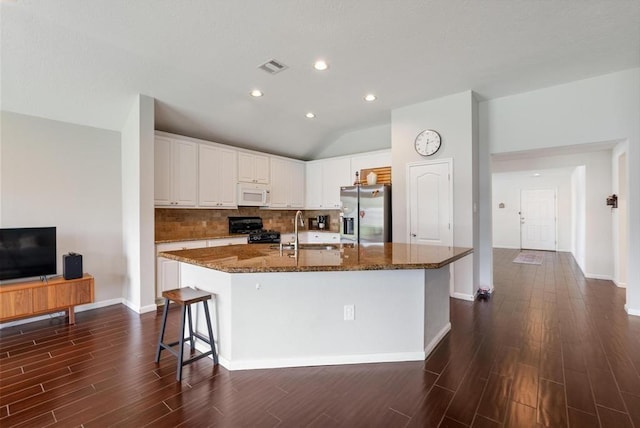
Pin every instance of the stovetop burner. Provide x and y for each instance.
(253, 227)
(264, 236)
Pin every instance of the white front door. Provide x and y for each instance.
(538, 219)
(430, 203)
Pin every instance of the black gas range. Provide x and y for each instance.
(254, 228)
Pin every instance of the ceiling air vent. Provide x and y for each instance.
(273, 66)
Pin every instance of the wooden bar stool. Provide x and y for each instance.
(185, 297)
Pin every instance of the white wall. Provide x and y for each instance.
(604, 108)
(64, 175)
(452, 117)
(137, 206)
(620, 215)
(578, 209)
(507, 188)
(363, 140)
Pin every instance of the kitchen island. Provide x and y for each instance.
(324, 304)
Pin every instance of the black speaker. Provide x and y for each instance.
(72, 266)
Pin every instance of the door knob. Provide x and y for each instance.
(413, 235)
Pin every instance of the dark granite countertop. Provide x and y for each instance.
(224, 235)
(319, 257)
(201, 238)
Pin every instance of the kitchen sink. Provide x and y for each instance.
(319, 247)
(289, 247)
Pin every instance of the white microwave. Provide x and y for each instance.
(253, 195)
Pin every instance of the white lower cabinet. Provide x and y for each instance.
(167, 275)
(168, 271)
(323, 238)
(311, 237)
(221, 242)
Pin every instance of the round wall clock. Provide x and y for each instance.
(427, 142)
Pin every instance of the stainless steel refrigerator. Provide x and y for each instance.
(366, 213)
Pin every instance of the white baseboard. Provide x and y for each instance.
(506, 247)
(31, 319)
(79, 308)
(631, 311)
(438, 337)
(598, 276)
(463, 296)
(326, 360)
(139, 309)
(332, 360)
(148, 308)
(101, 304)
(620, 284)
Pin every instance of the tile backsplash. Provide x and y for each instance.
(176, 223)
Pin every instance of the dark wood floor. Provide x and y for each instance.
(549, 349)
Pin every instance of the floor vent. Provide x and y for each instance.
(273, 66)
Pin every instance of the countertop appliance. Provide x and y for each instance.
(254, 228)
(323, 221)
(366, 213)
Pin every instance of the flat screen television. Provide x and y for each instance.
(27, 252)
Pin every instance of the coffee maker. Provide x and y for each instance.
(323, 222)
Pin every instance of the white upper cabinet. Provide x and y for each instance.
(313, 186)
(324, 178)
(335, 173)
(217, 177)
(175, 172)
(287, 183)
(253, 168)
(196, 173)
(163, 192)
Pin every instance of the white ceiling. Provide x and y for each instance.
(84, 61)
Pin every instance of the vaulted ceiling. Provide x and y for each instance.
(84, 61)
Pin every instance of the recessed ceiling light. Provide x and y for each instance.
(370, 97)
(256, 93)
(537, 174)
(320, 65)
(310, 115)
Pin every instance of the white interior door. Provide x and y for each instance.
(430, 202)
(538, 219)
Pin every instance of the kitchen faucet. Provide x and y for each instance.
(295, 231)
(296, 241)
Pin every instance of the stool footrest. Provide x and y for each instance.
(168, 347)
(196, 358)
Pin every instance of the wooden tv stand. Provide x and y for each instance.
(28, 299)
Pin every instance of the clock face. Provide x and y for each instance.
(427, 142)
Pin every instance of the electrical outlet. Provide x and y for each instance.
(349, 312)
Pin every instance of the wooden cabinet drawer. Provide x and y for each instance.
(43, 298)
(15, 303)
(73, 293)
